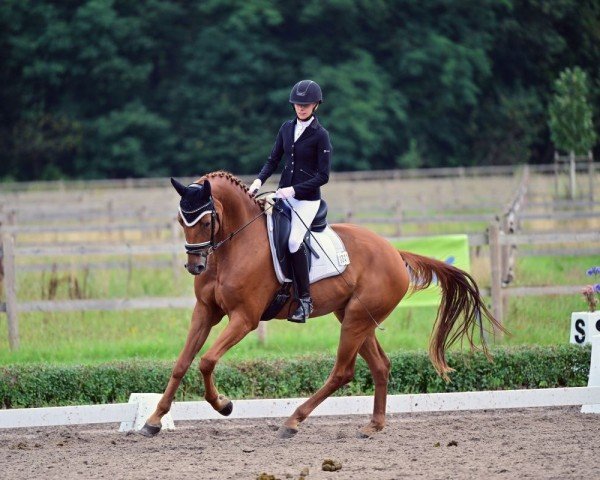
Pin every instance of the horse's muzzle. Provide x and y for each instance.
(196, 267)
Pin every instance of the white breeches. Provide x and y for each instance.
(307, 210)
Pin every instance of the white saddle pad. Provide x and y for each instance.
(322, 267)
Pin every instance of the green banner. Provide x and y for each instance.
(452, 249)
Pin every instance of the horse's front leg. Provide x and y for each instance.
(203, 319)
(238, 327)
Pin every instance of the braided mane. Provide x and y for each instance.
(237, 182)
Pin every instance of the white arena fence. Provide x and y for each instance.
(133, 415)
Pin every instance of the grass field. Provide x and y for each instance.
(88, 337)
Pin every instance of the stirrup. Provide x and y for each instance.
(302, 312)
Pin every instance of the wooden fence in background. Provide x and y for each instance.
(503, 236)
(495, 238)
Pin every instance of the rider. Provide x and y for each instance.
(307, 149)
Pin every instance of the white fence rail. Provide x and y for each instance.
(275, 408)
(495, 238)
(133, 415)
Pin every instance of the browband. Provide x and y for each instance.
(191, 223)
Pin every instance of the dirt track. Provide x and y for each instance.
(535, 443)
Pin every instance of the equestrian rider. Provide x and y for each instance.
(307, 150)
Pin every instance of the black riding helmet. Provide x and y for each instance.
(305, 92)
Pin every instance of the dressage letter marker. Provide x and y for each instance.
(583, 326)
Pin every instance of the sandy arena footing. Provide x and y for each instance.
(556, 443)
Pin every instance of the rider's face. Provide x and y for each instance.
(304, 110)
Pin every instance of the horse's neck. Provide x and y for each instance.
(237, 212)
(241, 216)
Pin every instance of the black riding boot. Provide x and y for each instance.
(302, 285)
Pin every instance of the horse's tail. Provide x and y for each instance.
(460, 297)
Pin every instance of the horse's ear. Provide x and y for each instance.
(206, 187)
(178, 186)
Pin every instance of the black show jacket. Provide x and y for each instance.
(307, 161)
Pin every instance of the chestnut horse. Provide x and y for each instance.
(228, 251)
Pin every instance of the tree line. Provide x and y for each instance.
(115, 88)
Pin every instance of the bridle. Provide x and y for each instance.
(204, 249)
(202, 210)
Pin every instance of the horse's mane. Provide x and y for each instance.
(235, 181)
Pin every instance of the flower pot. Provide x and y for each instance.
(583, 326)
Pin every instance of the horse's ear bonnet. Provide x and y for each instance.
(178, 186)
(195, 201)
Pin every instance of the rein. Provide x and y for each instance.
(201, 248)
(233, 234)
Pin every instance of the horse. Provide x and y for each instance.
(228, 254)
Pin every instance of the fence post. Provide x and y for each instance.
(496, 266)
(261, 332)
(399, 216)
(572, 173)
(591, 176)
(2, 219)
(10, 284)
(350, 202)
(504, 251)
(175, 262)
(349, 216)
(556, 175)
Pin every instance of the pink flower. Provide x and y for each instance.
(588, 290)
(589, 293)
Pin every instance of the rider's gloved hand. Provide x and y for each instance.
(255, 187)
(286, 192)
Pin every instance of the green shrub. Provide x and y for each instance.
(514, 368)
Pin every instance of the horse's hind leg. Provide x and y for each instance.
(354, 331)
(201, 324)
(379, 364)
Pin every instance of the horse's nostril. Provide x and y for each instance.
(194, 269)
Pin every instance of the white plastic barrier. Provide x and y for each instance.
(146, 404)
(133, 415)
(594, 376)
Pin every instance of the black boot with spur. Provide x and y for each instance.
(302, 285)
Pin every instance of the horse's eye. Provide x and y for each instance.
(207, 224)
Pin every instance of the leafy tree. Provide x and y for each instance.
(439, 63)
(229, 103)
(508, 126)
(360, 90)
(46, 146)
(128, 142)
(571, 125)
(93, 88)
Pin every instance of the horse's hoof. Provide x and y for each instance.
(286, 432)
(227, 409)
(368, 432)
(150, 430)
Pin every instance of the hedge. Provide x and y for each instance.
(513, 368)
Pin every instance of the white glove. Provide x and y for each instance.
(255, 187)
(286, 192)
(270, 200)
